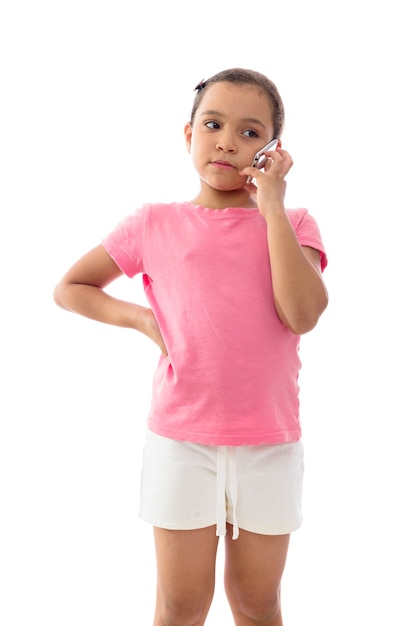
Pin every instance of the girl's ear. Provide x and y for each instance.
(279, 144)
(188, 136)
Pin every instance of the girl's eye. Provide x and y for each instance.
(213, 125)
(250, 133)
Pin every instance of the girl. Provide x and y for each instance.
(233, 279)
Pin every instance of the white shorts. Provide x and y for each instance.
(188, 485)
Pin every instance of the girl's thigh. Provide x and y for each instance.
(254, 565)
(186, 565)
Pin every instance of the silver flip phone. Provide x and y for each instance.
(259, 159)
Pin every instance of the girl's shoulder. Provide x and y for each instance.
(296, 216)
(307, 231)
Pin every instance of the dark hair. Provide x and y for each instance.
(242, 76)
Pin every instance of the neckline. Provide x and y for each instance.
(227, 211)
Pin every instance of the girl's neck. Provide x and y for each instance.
(218, 200)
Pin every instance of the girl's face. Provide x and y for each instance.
(231, 123)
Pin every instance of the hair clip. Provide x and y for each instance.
(201, 85)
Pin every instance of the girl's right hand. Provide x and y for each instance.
(151, 329)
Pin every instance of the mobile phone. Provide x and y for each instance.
(259, 159)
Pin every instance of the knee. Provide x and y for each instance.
(181, 612)
(260, 610)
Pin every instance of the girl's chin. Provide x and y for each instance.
(225, 186)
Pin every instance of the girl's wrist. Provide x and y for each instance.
(274, 214)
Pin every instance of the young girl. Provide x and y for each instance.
(233, 279)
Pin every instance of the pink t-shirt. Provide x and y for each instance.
(232, 378)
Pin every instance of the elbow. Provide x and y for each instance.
(302, 321)
(55, 296)
(58, 297)
(303, 326)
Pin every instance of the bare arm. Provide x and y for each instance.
(81, 290)
(300, 296)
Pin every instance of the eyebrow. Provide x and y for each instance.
(248, 120)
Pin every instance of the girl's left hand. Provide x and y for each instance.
(270, 187)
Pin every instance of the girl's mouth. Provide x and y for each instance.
(223, 165)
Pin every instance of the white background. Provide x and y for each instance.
(94, 97)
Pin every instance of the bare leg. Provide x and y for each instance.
(254, 566)
(185, 575)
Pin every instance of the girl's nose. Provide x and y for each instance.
(226, 144)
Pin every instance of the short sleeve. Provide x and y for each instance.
(307, 232)
(125, 243)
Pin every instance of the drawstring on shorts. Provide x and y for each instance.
(226, 489)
